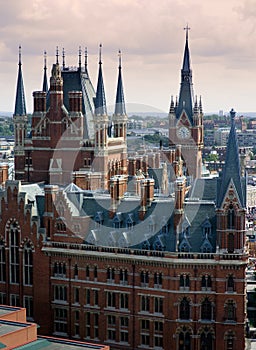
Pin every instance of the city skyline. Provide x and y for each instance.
(152, 40)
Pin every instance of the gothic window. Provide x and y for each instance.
(230, 310)
(59, 269)
(95, 272)
(145, 303)
(60, 293)
(130, 222)
(184, 339)
(229, 341)
(206, 310)
(144, 278)
(158, 279)
(231, 243)
(184, 281)
(230, 284)
(123, 277)
(158, 245)
(87, 272)
(206, 340)
(28, 265)
(184, 309)
(2, 262)
(14, 253)
(110, 275)
(206, 282)
(76, 271)
(111, 299)
(231, 217)
(158, 307)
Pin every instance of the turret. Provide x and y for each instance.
(120, 116)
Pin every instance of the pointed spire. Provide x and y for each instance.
(100, 100)
(85, 59)
(171, 106)
(20, 104)
(57, 55)
(186, 59)
(45, 83)
(186, 86)
(200, 105)
(63, 57)
(232, 166)
(120, 104)
(79, 58)
(195, 106)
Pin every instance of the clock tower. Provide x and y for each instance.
(186, 120)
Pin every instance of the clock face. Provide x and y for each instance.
(183, 132)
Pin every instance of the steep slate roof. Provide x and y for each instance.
(120, 104)
(20, 104)
(100, 99)
(231, 170)
(185, 102)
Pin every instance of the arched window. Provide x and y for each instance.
(184, 281)
(229, 341)
(230, 310)
(76, 271)
(184, 339)
(206, 339)
(230, 284)
(158, 280)
(206, 282)
(111, 275)
(184, 309)
(123, 277)
(28, 265)
(206, 310)
(231, 243)
(231, 217)
(2, 262)
(14, 253)
(144, 278)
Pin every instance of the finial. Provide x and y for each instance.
(171, 105)
(120, 58)
(79, 57)
(176, 102)
(100, 54)
(85, 58)
(63, 57)
(195, 106)
(57, 54)
(19, 55)
(45, 59)
(232, 115)
(187, 28)
(200, 105)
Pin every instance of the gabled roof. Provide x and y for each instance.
(20, 104)
(231, 172)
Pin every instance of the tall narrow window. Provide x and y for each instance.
(230, 283)
(184, 309)
(14, 253)
(206, 310)
(231, 243)
(28, 265)
(231, 217)
(2, 262)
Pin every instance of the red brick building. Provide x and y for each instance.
(136, 266)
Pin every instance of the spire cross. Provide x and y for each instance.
(20, 55)
(187, 28)
(57, 55)
(63, 57)
(100, 54)
(45, 57)
(120, 58)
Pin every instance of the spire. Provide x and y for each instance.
(120, 104)
(20, 104)
(45, 84)
(63, 57)
(100, 100)
(79, 58)
(186, 86)
(171, 111)
(232, 166)
(57, 55)
(85, 59)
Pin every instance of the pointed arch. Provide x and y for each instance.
(13, 234)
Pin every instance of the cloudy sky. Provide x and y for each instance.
(150, 34)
